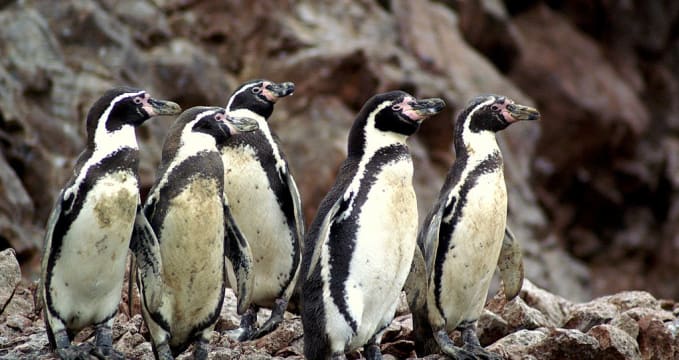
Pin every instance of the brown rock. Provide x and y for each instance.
(615, 343)
(566, 344)
(656, 341)
(491, 327)
(585, 84)
(518, 314)
(486, 25)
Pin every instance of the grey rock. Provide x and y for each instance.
(516, 345)
(555, 308)
(10, 275)
(584, 316)
(627, 324)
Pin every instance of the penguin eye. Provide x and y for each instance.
(495, 107)
(138, 100)
(257, 90)
(220, 117)
(397, 107)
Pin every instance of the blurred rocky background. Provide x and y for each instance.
(593, 186)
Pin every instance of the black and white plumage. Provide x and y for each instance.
(265, 202)
(194, 227)
(462, 236)
(89, 230)
(360, 245)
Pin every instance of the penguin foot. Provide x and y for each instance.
(163, 352)
(274, 320)
(372, 352)
(246, 331)
(72, 353)
(448, 347)
(107, 353)
(200, 349)
(481, 353)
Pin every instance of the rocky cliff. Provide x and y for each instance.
(593, 188)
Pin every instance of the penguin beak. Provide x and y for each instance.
(275, 91)
(241, 124)
(520, 112)
(155, 107)
(422, 109)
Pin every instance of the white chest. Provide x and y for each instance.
(192, 251)
(91, 265)
(260, 218)
(385, 240)
(476, 242)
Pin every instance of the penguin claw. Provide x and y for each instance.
(107, 353)
(72, 353)
(480, 353)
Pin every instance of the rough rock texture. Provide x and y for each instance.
(515, 330)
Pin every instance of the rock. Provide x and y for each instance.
(627, 324)
(656, 341)
(491, 327)
(518, 314)
(566, 344)
(584, 316)
(555, 308)
(516, 345)
(487, 26)
(615, 343)
(10, 275)
(282, 337)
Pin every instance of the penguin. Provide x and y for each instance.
(195, 229)
(265, 203)
(90, 226)
(462, 237)
(360, 245)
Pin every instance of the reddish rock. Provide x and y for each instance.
(655, 340)
(615, 344)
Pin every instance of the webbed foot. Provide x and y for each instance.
(273, 321)
(246, 331)
(448, 347)
(72, 353)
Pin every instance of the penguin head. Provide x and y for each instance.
(493, 113)
(126, 106)
(259, 96)
(202, 126)
(396, 113)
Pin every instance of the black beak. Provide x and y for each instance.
(521, 112)
(162, 107)
(241, 124)
(282, 89)
(428, 107)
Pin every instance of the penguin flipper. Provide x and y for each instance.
(238, 252)
(428, 239)
(510, 264)
(38, 297)
(323, 233)
(297, 205)
(417, 283)
(146, 249)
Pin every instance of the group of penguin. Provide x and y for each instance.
(225, 211)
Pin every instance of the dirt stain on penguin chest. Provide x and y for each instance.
(192, 237)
